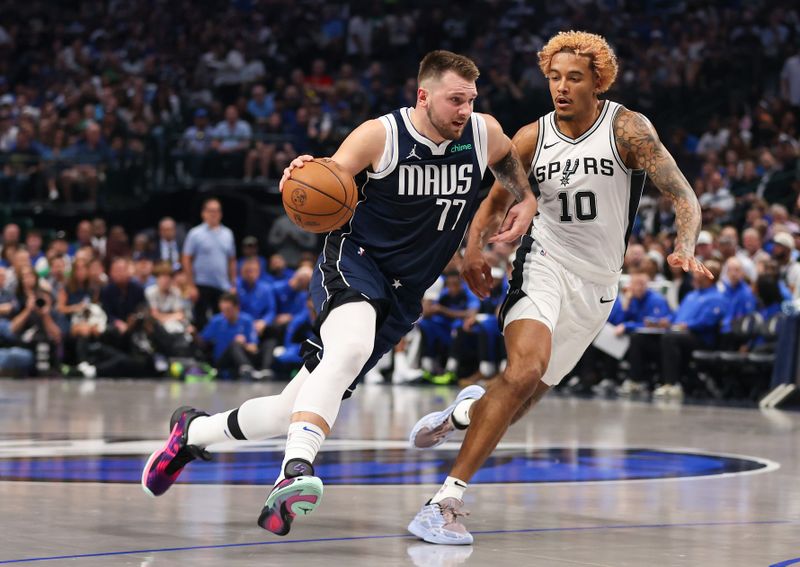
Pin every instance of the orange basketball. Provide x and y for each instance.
(320, 196)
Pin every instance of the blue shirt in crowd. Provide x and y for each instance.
(464, 300)
(262, 263)
(741, 302)
(702, 311)
(258, 300)
(283, 276)
(652, 305)
(221, 332)
(288, 300)
(210, 249)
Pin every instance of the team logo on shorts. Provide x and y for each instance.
(299, 197)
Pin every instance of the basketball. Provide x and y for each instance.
(320, 196)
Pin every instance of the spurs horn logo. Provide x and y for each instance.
(299, 197)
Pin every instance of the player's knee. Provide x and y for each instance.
(352, 352)
(522, 379)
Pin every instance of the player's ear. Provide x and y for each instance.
(422, 96)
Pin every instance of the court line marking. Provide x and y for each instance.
(786, 563)
(402, 536)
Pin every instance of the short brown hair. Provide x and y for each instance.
(602, 60)
(162, 269)
(437, 63)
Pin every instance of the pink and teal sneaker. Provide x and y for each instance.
(298, 494)
(165, 465)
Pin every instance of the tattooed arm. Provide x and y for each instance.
(509, 171)
(641, 148)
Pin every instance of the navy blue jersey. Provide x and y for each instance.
(414, 209)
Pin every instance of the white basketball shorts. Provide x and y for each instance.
(573, 308)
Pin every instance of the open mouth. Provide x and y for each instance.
(562, 102)
(458, 125)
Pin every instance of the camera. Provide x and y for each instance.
(40, 303)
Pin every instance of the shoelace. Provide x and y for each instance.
(451, 514)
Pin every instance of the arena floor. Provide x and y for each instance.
(578, 482)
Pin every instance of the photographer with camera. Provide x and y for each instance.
(33, 324)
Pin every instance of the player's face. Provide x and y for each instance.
(572, 86)
(448, 104)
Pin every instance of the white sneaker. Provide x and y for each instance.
(676, 392)
(87, 370)
(630, 387)
(437, 427)
(438, 523)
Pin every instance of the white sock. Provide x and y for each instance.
(426, 363)
(303, 442)
(452, 364)
(258, 418)
(452, 488)
(460, 413)
(487, 368)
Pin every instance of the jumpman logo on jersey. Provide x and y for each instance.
(413, 153)
(568, 171)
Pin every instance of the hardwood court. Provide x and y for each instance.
(578, 482)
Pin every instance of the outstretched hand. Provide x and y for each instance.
(299, 161)
(517, 222)
(688, 263)
(477, 273)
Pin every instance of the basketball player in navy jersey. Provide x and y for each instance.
(424, 167)
(589, 158)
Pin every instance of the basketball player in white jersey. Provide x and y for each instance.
(589, 158)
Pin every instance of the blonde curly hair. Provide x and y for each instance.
(602, 59)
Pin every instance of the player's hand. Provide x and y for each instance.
(517, 222)
(476, 272)
(687, 262)
(299, 161)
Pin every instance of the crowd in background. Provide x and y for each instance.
(105, 96)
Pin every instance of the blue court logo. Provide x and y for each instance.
(396, 466)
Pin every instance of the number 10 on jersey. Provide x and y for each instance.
(585, 206)
(447, 203)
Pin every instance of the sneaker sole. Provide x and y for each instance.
(150, 461)
(418, 530)
(435, 419)
(299, 498)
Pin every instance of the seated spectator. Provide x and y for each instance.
(290, 300)
(260, 106)
(143, 271)
(277, 270)
(33, 323)
(258, 300)
(289, 240)
(782, 248)
(250, 251)
(33, 244)
(170, 312)
(90, 158)
(751, 246)
(22, 167)
(694, 325)
(441, 318)
(83, 236)
(83, 321)
(57, 278)
(738, 295)
(8, 305)
(273, 150)
(121, 299)
(196, 144)
(288, 358)
(728, 245)
(230, 141)
(168, 245)
(233, 338)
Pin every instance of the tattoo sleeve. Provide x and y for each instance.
(640, 146)
(510, 173)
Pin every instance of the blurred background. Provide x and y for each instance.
(119, 120)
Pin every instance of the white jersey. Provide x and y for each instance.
(588, 198)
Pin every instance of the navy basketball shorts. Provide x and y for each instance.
(344, 274)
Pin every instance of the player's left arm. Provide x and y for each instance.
(641, 148)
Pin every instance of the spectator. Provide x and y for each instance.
(233, 337)
(8, 305)
(99, 239)
(20, 174)
(260, 106)
(693, 326)
(196, 143)
(83, 321)
(170, 313)
(90, 158)
(231, 140)
(143, 271)
(83, 235)
(289, 240)
(118, 245)
(277, 271)
(782, 248)
(737, 293)
(33, 323)
(209, 261)
(258, 300)
(250, 251)
(33, 244)
(11, 236)
(121, 299)
(751, 243)
(290, 300)
(168, 245)
(728, 245)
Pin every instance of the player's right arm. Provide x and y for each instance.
(490, 215)
(361, 149)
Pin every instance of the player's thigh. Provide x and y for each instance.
(578, 324)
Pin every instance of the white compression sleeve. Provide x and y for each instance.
(258, 418)
(348, 338)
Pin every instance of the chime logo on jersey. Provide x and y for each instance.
(586, 165)
(434, 179)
